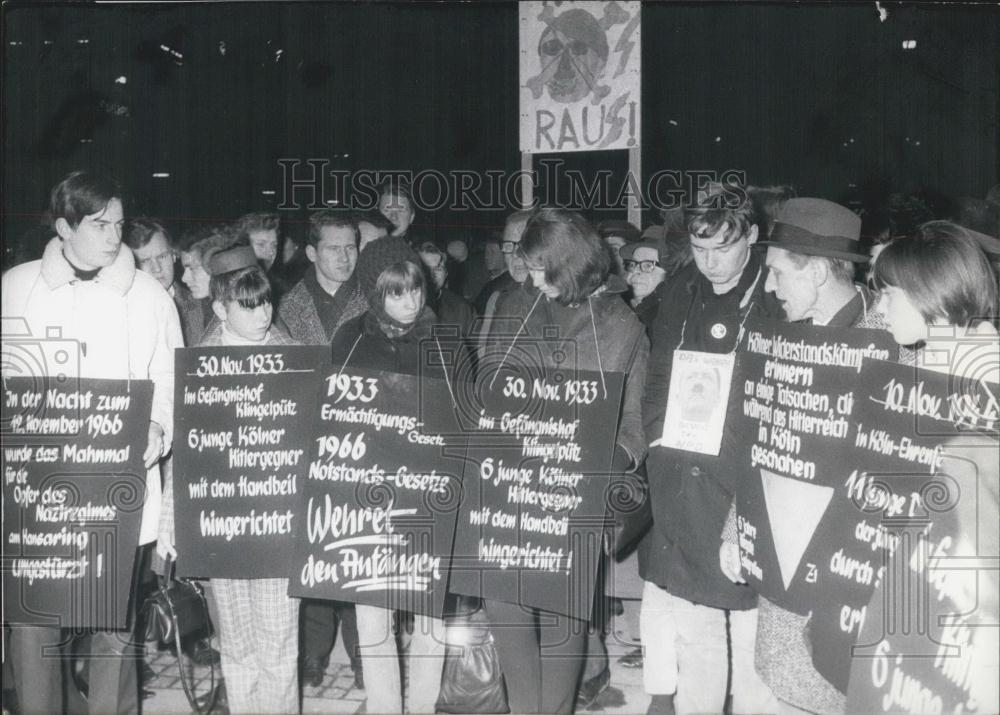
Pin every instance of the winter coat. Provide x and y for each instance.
(298, 312)
(783, 659)
(195, 314)
(361, 342)
(647, 309)
(453, 309)
(690, 492)
(122, 325)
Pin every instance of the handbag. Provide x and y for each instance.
(472, 681)
(178, 611)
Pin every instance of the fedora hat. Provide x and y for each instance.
(817, 227)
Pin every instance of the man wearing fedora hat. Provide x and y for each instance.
(617, 235)
(811, 256)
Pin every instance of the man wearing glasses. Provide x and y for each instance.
(644, 274)
(516, 273)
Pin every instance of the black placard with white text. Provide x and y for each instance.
(241, 449)
(833, 447)
(905, 493)
(381, 493)
(537, 488)
(790, 441)
(73, 491)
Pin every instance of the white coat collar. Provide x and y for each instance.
(57, 271)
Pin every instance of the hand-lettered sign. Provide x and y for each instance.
(579, 78)
(241, 451)
(73, 490)
(834, 448)
(381, 493)
(537, 488)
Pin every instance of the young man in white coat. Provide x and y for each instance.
(86, 289)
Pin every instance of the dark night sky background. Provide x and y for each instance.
(822, 97)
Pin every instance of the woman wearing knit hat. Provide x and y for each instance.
(389, 337)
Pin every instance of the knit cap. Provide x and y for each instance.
(377, 256)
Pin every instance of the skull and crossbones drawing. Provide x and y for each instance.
(573, 52)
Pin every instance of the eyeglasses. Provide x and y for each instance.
(509, 246)
(641, 266)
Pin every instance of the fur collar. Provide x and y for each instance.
(57, 272)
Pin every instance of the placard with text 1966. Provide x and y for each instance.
(241, 445)
(381, 494)
(73, 491)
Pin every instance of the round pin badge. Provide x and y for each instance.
(719, 331)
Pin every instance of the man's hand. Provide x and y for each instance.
(729, 562)
(165, 547)
(154, 445)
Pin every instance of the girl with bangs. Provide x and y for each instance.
(388, 337)
(257, 622)
(939, 277)
(572, 294)
(939, 294)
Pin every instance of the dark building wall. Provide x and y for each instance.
(784, 88)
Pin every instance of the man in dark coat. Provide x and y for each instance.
(687, 601)
(811, 257)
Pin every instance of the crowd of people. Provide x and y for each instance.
(372, 286)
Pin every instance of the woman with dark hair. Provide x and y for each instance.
(939, 277)
(392, 336)
(257, 621)
(939, 292)
(570, 294)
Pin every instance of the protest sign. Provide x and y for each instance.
(930, 641)
(73, 491)
(837, 447)
(909, 499)
(699, 395)
(790, 422)
(381, 493)
(580, 76)
(241, 446)
(537, 488)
